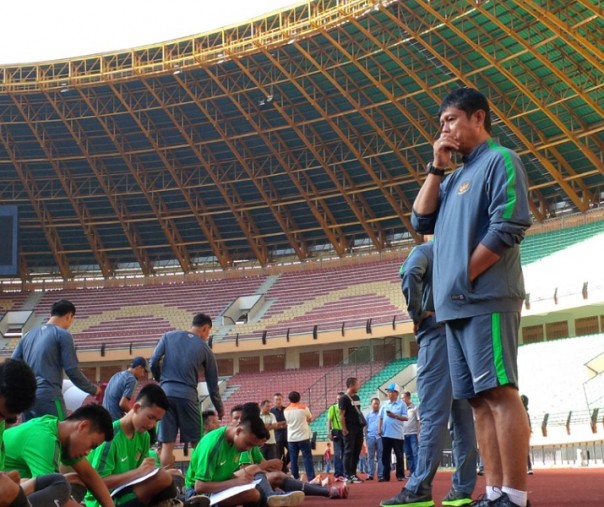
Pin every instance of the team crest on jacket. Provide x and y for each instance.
(463, 188)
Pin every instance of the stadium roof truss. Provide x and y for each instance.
(301, 132)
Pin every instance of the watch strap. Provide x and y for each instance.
(437, 171)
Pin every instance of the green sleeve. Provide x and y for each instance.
(205, 463)
(41, 452)
(2, 426)
(102, 459)
(257, 456)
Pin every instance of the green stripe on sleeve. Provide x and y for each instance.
(510, 203)
(502, 375)
(59, 409)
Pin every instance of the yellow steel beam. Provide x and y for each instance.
(79, 206)
(110, 190)
(154, 199)
(198, 208)
(271, 195)
(570, 191)
(273, 30)
(45, 218)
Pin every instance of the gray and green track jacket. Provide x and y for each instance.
(484, 201)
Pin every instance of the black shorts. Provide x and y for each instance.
(183, 415)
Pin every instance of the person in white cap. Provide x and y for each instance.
(393, 414)
(121, 386)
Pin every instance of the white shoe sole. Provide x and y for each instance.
(286, 499)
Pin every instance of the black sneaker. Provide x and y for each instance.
(504, 501)
(197, 501)
(456, 498)
(354, 479)
(408, 499)
(481, 501)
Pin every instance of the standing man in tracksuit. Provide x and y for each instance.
(479, 215)
(49, 350)
(436, 398)
(183, 355)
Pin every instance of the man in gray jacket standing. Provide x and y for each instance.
(434, 390)
(176, 363)
(49, 350)
(479, 214)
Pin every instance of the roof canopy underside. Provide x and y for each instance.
(246, 145)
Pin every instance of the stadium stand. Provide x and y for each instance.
(553, 375)
(141, 314)
(11, 301)
(328, 297)
(538, 246)
(259, 386)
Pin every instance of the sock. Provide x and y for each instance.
(50, 489)
(516, 496)
(290, 484)
(179, 484)
(264, 487)
(493, 493)
(21, 500)
(165, 494)
(78, 492)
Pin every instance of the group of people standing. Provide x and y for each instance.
(389, 429)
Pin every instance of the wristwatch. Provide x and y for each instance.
(437, 171)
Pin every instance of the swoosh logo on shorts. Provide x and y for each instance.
(480, 377)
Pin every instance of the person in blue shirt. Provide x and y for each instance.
(49, 349)
(177, 362)
(373, 440)
(393, 414)
(120, 388)
(479, 215)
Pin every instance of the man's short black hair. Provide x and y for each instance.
(237, 408)
(153, 394)
(62, 308)
(97, 415)
(201, 319)
(17, 385)
(208, 413)
(294, 397)
(469, 101)
(251, 421)
(350, 381)
(407, 393)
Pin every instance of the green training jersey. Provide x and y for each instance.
(213, 460)
(33, 448)
(120, 455)
(333, 415)
(2, 426)
(251, 457)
